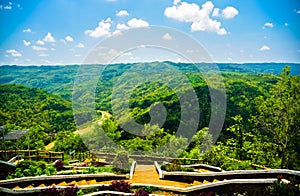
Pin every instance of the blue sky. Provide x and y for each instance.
(64, 31)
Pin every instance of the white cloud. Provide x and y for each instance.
(229, 12)
(69, 38)
(103, 29)
(199, 17)
(26, 43)
(27, 30)
(122, 26)
(298, 11)
(14, 53)
(38, 48)
(264, 48)
(122, 13)
(137, 23)
(286, 24)
(80, 45)
(49, 38)
(43, 55)
(167, 36)
(269, 24)
(40, 42)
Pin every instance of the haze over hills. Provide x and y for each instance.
(60, 79)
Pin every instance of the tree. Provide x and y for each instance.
(279, 116)
(68, 141)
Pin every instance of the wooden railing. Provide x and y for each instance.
(33, 154)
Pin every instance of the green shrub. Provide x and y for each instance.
(92, 170)
(175, 167)
(32, 168)
(49, 171)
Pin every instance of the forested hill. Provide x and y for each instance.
(54, 79)
(23, 108)
(59, 80)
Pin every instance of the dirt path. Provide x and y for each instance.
(104, 115)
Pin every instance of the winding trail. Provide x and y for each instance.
(104, 115)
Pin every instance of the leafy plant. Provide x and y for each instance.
(51, 191)
(68, 191)
(149, 189)
(120, 186)
(71, 191)
(59, 165)
(32, 168)
(282, 188)
(92, 170)
(141, 192)
(50, 171)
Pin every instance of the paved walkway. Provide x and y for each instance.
(147, 174)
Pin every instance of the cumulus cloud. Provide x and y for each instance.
(137, 23)
(264, 48)
(26, 43)
(27, 30)
(49, 38)
(69, 38)
(133, 23)
(269, 24)
(103, 29)
(40, 42)
(122, 26)
(122, 13)
(227, 13)
(167, 36)
(200, 17)
(80, 45)
(38, 48)
(14, 53)
(286, 24)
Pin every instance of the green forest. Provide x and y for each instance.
(261, 123)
